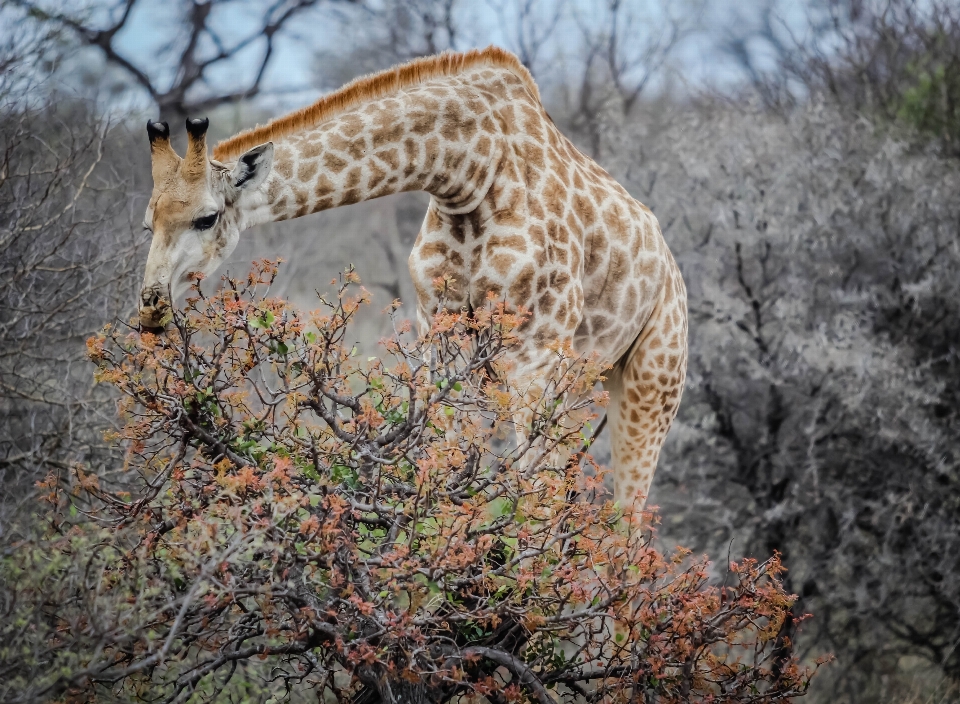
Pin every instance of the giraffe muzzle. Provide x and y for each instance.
(155, 310)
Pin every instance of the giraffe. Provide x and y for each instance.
(515, 209)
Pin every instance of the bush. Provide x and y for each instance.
(363, 529)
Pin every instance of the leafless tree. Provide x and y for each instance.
(747, 37)
(625, 46)
(68, 260)
(529, 25)
(200, 47)
(820, 416)
(377, 34)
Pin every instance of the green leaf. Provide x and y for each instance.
(263, 321)
(342, 474)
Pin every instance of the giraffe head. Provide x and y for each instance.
(196, 213)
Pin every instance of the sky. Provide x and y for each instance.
(292, 79)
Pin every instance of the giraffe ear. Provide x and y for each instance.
(253, 167)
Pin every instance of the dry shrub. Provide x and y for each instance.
(362, 528)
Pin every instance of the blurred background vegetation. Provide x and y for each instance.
(803, 160)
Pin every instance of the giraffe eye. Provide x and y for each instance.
(206, 222)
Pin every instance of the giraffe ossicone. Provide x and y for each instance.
(515, 209)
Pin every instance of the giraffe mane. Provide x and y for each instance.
(370, 87)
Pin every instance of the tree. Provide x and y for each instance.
(820, 415)
(624, 48)
(68, 257)
(897, 60)
(377, 34)
(364, 528)
(200, 48)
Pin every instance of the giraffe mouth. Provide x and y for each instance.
(155, 312)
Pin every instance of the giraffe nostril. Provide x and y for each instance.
(154, 311)
(150, 297)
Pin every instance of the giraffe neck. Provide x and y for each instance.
(420, 140)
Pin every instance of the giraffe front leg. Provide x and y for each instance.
(546, 430)
(544, 358)
(645, 389)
